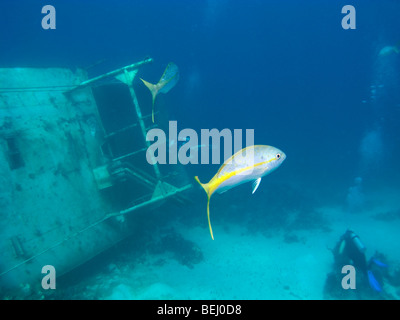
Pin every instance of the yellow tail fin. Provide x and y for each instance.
(207, 190)
(154, 90)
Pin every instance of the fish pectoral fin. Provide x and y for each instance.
(255, 185)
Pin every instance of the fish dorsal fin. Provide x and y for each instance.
(255, 185)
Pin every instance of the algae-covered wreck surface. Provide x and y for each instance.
(60, 171)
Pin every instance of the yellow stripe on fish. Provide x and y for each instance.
(248, 164)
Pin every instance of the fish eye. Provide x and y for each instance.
(278, 155)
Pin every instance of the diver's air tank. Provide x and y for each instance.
(355, 239)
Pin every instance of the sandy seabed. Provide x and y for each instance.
(241, 265)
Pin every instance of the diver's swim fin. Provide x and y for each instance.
(379, 263)
(373, 282)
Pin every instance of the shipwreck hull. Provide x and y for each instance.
(57, 170)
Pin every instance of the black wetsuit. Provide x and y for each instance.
(351, 252)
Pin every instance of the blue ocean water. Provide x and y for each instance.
(322, 94)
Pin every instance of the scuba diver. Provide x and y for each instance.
(369, 273)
